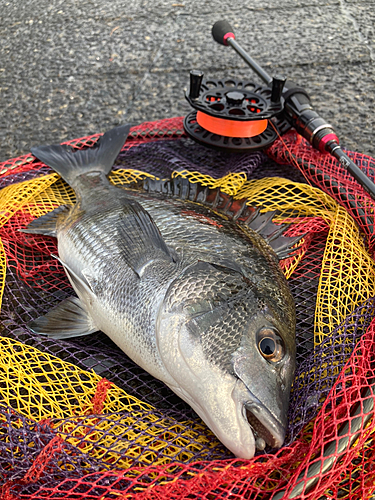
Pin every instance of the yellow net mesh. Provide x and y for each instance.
(40, 386)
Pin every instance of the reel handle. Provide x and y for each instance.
(223, 34)
(221, 31)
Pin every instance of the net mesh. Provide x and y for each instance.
(79, 419)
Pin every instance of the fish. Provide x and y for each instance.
(186, 281)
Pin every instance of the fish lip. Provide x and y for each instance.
(264, 425)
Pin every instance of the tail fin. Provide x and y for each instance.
(69, 162)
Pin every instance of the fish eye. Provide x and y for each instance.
(267, 346)
(270, 345)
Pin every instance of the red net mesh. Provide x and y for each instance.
(327, 173)
(81, 452)
(146, 132)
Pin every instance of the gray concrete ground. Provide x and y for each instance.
(69, 68)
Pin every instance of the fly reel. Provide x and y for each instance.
(240, 116)
(233, 115)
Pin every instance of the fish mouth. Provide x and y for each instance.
(266, 428)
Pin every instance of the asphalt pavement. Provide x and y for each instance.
(70, 68)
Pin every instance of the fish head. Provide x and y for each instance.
(229, 350)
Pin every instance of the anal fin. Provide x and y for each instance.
(68, 319)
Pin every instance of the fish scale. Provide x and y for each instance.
(220, 343)
(184, 280)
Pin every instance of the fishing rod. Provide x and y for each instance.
(235, 115)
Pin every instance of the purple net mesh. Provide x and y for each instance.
(22, 303)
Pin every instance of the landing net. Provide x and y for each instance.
(79, 420)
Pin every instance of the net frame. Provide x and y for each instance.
(265, 474)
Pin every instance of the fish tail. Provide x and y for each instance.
(70, 162)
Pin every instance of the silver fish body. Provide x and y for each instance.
(194, 297)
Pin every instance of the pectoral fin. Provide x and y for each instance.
(68, 319)
(142, 241)
(81, 285)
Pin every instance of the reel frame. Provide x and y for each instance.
(241, 108)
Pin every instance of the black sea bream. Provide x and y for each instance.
(186, 282)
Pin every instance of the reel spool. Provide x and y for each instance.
(233, 115)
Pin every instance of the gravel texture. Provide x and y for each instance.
(75, 67)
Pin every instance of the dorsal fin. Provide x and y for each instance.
(236, 210)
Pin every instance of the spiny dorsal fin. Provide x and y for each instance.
(237, 210)
(283, 246)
